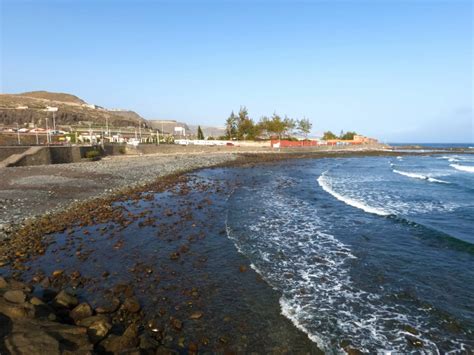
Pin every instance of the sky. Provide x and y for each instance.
(400, 71)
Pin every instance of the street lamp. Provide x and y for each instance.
(18, 133)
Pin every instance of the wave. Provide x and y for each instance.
(326, 186)
(466, 168)
(419, 176)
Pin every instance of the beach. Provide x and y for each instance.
(163, 252)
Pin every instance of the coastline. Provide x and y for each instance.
(26, 244)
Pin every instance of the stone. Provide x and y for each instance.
(147, 342)
(57, 273)
(45, 337)
(3, 282)
(110, 307)
(64, 299)
(15, 296)
(124, 343)
(16, 311)
(196, 315)
(131, 305)
(414, 341)
(87, 322)
(162, 350)
(18, 285)
(176, 323)
(35, 301)
(81, 311)
(98, 330)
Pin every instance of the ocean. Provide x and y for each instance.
(372, 253)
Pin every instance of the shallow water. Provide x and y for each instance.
(377, 252)
(373, 253)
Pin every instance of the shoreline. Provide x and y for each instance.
(32, 241)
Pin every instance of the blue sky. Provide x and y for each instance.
(397, 70)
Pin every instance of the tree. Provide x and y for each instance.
(231, 126)
(348, 136)
(290, 125)
(329, 135)
(274, 125)
(304, 126)
(200, 135)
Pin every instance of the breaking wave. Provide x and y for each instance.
(327, 186)
(419, 176)
(466, 168)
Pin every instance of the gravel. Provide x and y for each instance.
(28, 192)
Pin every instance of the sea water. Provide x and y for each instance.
(373, 253)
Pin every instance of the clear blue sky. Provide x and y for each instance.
(397, 70)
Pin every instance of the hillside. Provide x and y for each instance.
(53, 96)
(30, 108)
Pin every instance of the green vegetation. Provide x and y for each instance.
(93, 155)
(200, 135)
(345, 136)
(242, 127)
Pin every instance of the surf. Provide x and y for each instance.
(419, 176)
(465, 168)
(326, 186)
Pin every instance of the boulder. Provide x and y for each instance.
(131, 305)
(98, 330)
(81, 311)
(16, 311)
(64, 299)
(44, 337)
(15, 296)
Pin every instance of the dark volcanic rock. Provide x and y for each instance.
(131, 305)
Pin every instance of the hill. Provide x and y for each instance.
(30, 108)
(53, 96)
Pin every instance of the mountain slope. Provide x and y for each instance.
(53, 96)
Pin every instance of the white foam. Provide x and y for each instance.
(291, 248)
(469, 169)
(419, 176)
(326, 186)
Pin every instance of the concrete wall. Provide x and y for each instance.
(5, 152)
(37, 155)
(63, 155)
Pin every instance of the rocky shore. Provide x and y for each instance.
(124, 262)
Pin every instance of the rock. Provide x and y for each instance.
(408, 328)
(44, 337)
(176, 323)
(15, 296)
(414, 341)
(131, 305)
(35, 301)
(16, 311)
(3, 283)
(110, 307)
(17, 285)
(120, 344)
(87, 322)
(75, 275)
(147, 342)
(196, 315)
(98, 330)
(64, 299)
(57, 273)
(81, 311)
